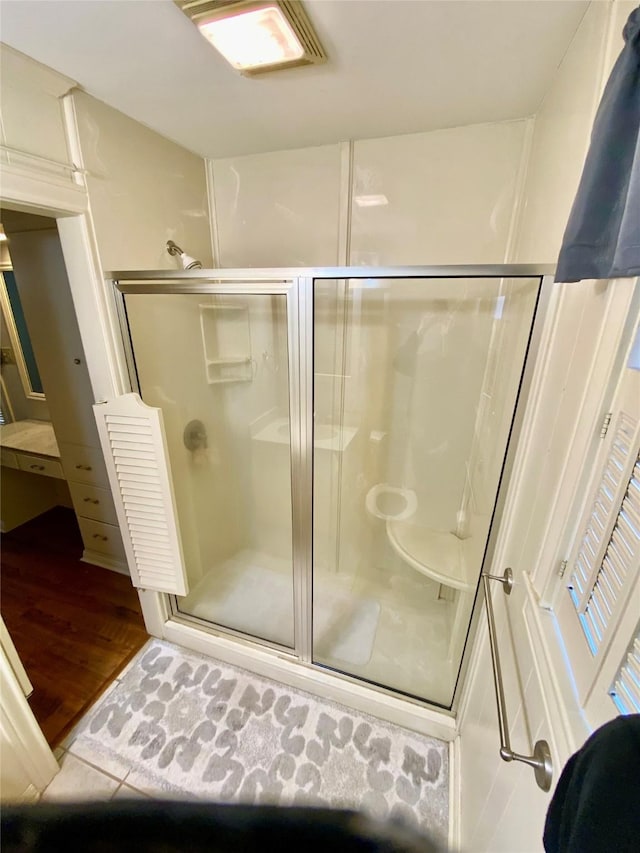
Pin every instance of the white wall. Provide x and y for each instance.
(143, 190)
(501, 807)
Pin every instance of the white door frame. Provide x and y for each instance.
(28, 765)
(29, 759)
(68, 203)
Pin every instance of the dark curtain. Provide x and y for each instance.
(602, 238)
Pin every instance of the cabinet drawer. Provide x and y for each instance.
(40, 465)
(93, 502)
(8, 458)
(104, 538)
(83, 464)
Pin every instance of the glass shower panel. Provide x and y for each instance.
(415, 386)
(217, 366)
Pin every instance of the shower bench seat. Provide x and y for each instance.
(441, 556)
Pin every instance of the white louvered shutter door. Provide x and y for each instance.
(135, 450)
(625, 690)
(608, 555)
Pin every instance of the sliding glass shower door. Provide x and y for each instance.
(217, 364)
(415, 386)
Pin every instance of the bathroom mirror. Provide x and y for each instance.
(19, 340)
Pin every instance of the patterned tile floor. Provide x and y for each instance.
(177, 724)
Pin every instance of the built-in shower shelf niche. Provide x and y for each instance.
(226, 341)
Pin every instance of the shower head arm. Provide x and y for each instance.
(188, 263)
(172, 249)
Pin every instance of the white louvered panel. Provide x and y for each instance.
(625, 690)
(134, 446)
(618, 570)
(600, 521)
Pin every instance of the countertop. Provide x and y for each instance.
(31, 437)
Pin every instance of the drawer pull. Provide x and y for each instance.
(37, 467)
(99, 536)
(91, 500)
(84, 468)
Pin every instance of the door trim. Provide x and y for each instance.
(28, 763)
(24, 745)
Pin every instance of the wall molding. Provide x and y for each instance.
(27, 188)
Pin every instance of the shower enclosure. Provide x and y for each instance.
(337, 442)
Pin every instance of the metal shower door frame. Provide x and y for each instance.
(298, 286)
(294, 289)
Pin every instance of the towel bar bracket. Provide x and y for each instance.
(506, 580)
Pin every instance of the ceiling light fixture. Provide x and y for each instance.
(255, 36)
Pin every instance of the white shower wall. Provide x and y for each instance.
(450, 195)
(278, 209)
(443, 197)
(450, 199)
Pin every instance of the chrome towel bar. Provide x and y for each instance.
(541, 758)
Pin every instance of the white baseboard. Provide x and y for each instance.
(97, 559)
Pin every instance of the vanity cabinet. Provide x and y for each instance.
(39, 465)
(48, 307)
(32, 476)
(93, 504)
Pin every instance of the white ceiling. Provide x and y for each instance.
(395, 66)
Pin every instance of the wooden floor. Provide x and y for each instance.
(74, 626)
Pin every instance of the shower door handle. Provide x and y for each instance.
(540, 761)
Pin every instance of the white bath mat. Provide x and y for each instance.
(179, 723)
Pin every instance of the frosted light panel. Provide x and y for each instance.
(254, 39)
